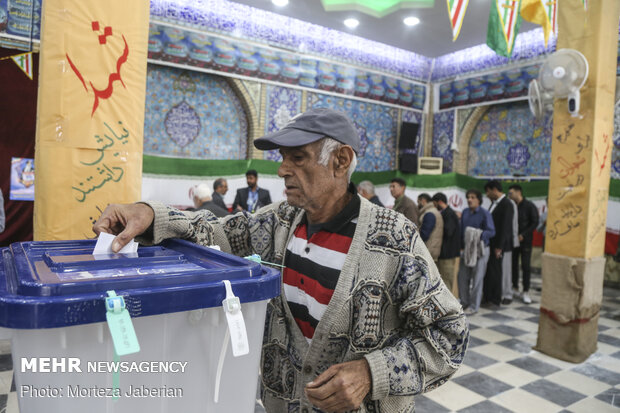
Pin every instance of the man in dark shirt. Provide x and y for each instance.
(402, 203)
(220, 187)
(502, 211)
(448, 264)
(367, 190)
(528, 221)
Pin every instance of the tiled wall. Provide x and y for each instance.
(510, 141)
(192, 115)
(443, 134)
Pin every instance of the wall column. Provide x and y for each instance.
(573, 262)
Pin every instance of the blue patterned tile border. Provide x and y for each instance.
(243, 21)
(241, 58)
(528, 45)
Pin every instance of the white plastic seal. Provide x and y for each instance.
(236, 324)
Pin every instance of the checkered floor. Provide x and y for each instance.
(501, 372)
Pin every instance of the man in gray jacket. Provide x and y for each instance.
(364, 320)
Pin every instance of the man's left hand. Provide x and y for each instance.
(342, 387)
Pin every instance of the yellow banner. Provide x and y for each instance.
(90, 112)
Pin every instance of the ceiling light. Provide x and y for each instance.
(351, 23)
(411, 21)
(279, 3)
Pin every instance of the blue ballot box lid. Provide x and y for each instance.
(61, 283)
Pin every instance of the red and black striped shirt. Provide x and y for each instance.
(314, 257)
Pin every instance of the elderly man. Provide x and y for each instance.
(201, 196)
(364, 320)
(367, 190)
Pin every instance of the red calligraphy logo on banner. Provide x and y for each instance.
(104, 93)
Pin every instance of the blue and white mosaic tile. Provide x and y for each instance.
(192, 115)
(508, 140)
(443, 135)
(376, 125)
(243, 21)
(282, 104)
(528, 45)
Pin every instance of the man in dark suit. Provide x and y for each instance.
(448, 264)
(251, 198)
(502, 212)
(220, 187)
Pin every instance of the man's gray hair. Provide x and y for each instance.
(367, 187)
(330, 145)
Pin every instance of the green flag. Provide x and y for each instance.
(504, 22)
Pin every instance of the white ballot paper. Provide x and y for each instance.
(104, 245)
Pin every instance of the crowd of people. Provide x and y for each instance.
(477, 251)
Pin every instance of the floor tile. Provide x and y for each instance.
(529, 309)
(554, 392)
(510, 374)
(498, 316)
(521, 401)
(613, 341)
(598, 373)
(425, 405)
(488, 335)
(610, 397)
(578, 382)
(6, 362)
(525, 325)
(535, 366)
(616, 355)
(6, 379)
(454, 396)
(475, 341)
(516, 345)
(508, 330)
(562, 364)
(463, 370)
(591, 405)
(11, 403)
(486, 406)
(483, 384)
(477, 360)
(498, 352)
(606, 349)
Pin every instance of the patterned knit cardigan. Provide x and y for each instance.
(389, 306)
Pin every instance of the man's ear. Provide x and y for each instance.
(343, 159)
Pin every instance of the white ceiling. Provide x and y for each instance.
(432, 37)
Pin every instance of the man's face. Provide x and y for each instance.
(251, 180)
(223, 188)
(491, 194)
(472, 201)
(396, 189)
(307, 182)
(436, 204)
(421, 202)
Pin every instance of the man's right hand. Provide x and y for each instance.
(126, 221)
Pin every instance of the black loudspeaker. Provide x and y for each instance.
(408, 163)
(408, 135)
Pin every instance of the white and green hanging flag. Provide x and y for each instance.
(504, 22)
(456, 10)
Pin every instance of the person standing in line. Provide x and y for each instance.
(477, 223)
(448, 263)
(403, 203)
(507, 293)
(220, 187)
(367, 190)
(502, 213)
(431, 225)
(528, 221)
(251, 198)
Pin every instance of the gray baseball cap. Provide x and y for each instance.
(310, 126)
